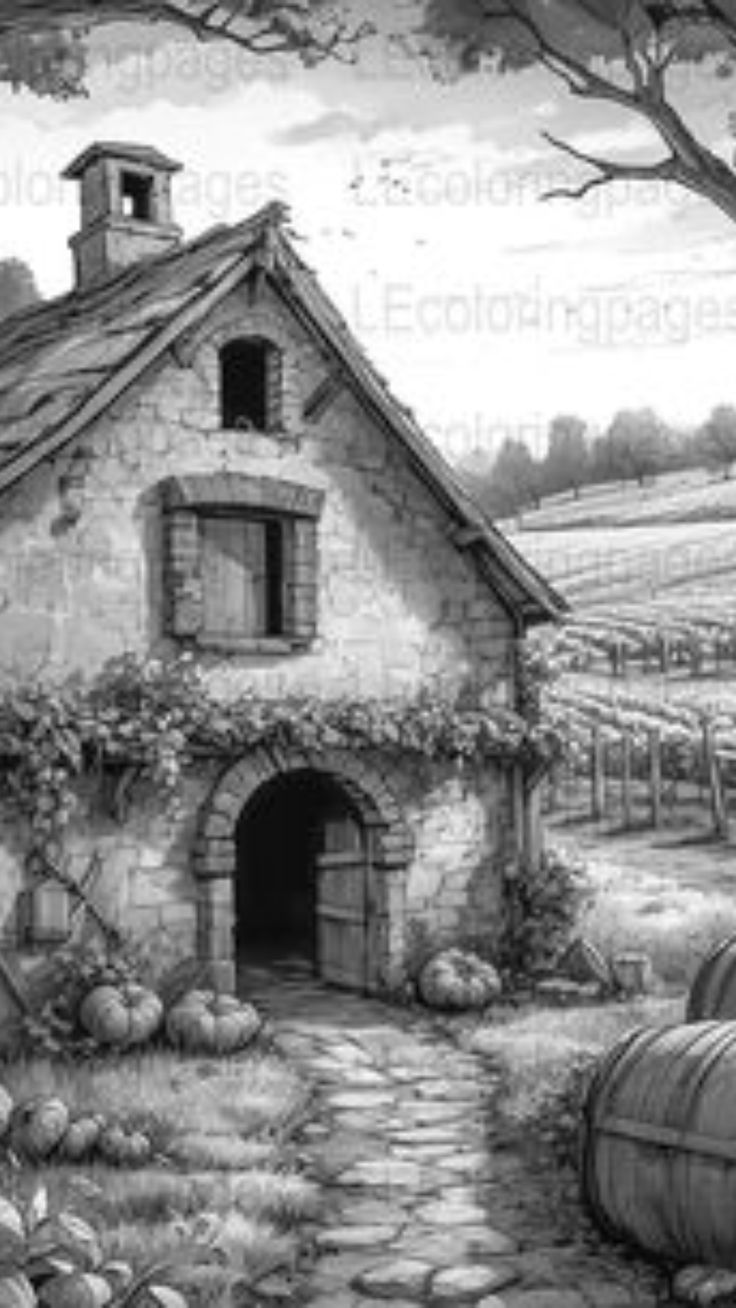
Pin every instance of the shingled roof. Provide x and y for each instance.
(65, 361)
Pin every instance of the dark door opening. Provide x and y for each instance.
(282, 838)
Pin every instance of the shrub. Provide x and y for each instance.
(542, 905)
(57, 990)
(556, 1124)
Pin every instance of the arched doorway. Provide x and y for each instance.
(302, 878)
(343, 783)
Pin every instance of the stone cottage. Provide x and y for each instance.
(196, 454)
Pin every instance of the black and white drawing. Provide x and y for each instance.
(367, 654)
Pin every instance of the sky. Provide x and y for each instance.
(419, 204)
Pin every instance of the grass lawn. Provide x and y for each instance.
(658, 893)
(225, 1169)
(538, 1046)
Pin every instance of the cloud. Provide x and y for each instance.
(329, 127)
(604, 140)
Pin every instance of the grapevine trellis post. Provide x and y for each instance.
(598, 774)
(715, 782)
(655, 776)
(626, 779)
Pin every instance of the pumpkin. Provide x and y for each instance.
(125, 1014)
(6, 1110)
(80, 1139)
(111, 1142)
(38, 1126)
(75, 1290)
(454, 980)
(205, 1022)
(138, 1148)
(124, 1148)
(16, 1291)
(12, 1234)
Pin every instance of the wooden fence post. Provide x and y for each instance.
(598, 775)
(715, 783)
(626, 778)
(655, 776)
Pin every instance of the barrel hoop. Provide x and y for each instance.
(666, 1137)
(614, 1061)
(704, 976)
(724, 978)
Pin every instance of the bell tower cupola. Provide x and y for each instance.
(125, 193)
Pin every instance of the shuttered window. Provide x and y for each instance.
(242, 577)
(239, 574)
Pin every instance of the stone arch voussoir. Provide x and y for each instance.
(215, 853)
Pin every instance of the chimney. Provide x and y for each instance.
(125, 193)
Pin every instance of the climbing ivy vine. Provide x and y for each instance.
(160, 716)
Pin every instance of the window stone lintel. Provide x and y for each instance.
(200, 491)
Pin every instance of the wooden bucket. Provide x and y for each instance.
(659, 1147)
(713, 991)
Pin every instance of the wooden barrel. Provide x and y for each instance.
(659, 1148)
(713, 991)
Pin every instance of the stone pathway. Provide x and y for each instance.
(422, 1209)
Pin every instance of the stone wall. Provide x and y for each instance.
(400, 608)
(399, 605)
(167, 872)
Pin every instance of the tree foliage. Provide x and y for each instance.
(43, 46)
(614, 52)
(18, 287)
(636, 445)
(717, 439)
(566, 464)
(514, 480)
(637, 440)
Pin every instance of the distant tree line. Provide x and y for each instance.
(635, 447)
(18, 287)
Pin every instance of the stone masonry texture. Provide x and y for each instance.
(399, 608)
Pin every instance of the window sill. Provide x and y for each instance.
(253, 644)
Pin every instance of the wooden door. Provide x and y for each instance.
(234, 576)
(342, 903)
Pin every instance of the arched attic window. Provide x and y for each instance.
(250, 383)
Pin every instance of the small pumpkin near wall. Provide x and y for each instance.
(38, 1126)
(454, 980)
(121, 1015)
(80, 1139)
(206, 1022)
(75, 1290)
(124, 1148)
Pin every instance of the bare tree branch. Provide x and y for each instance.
(689, 162)
(607, 170)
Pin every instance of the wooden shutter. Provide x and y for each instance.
(182, 573)
(301, 568)
(233, 577)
